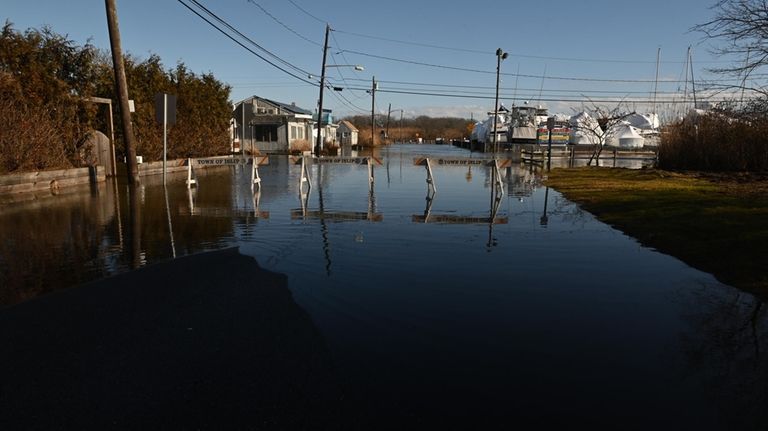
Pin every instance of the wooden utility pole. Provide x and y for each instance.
(122, 92)
(373, 111)
(319, 142)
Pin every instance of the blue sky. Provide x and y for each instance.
(560, 53)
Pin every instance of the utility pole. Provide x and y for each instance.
(389, 112)
(319, 142)
(373, 111)
(122, 92)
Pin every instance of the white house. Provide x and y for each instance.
(267, 126)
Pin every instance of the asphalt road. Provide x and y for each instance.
(208, 341)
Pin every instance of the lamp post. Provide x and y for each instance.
(500, 55)
(319, 141)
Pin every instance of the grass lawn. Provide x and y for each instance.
(717, 223)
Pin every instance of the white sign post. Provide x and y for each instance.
(165, 113)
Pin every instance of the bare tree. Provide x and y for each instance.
(743, 26)
(597, 126)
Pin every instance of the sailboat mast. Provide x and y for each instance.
(693, 80)
(656, 82)
(687, 62)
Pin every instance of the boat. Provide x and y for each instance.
(524, 122)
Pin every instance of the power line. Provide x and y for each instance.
(336, 42)
(488, 72)
(344, 101)
(233, 29)
(429, 84)
(405, 42)
(307, 13)
(284, 25)
(584, 100)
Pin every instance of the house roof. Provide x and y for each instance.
(285, 107)
(348, 125)
(288, 107)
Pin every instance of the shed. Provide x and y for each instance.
(347, 133)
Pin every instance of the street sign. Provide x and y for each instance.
(165, 103)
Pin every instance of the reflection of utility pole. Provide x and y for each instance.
(373, 110)
(323, 225)
(389, 113)
(122, 92)
(135, 216)
(544, 219)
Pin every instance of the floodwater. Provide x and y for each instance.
(545, 316)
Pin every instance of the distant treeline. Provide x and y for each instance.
(46, 81)
(424, 127)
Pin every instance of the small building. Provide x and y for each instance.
(347, 133)
(267, 126)
(328, 133)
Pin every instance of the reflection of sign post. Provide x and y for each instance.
(550, 127)
(165, 113)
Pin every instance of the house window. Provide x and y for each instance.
(293, 132)
(261, 110)
(301, 133)
(266, 133)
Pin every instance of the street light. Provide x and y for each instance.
(500, 55)
(319, 142)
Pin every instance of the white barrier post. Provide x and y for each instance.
(370, 173)
(497, 174)
(430, 177)
(255, 178)
(304, 175)
(190, 180)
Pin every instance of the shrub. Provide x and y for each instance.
(717, 142)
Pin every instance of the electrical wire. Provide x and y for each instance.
(274, 18)
(491, 72)
(307, 13)
(430, 84)
(405, 42)
(244, 37)
(490, 97)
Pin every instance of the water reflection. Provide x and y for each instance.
(566, 317)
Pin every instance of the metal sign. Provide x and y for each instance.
(341, 160)
(229, 161)
(503, 163)
(165, 108)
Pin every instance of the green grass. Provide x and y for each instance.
(716, 223)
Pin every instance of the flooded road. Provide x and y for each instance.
(451, 307)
